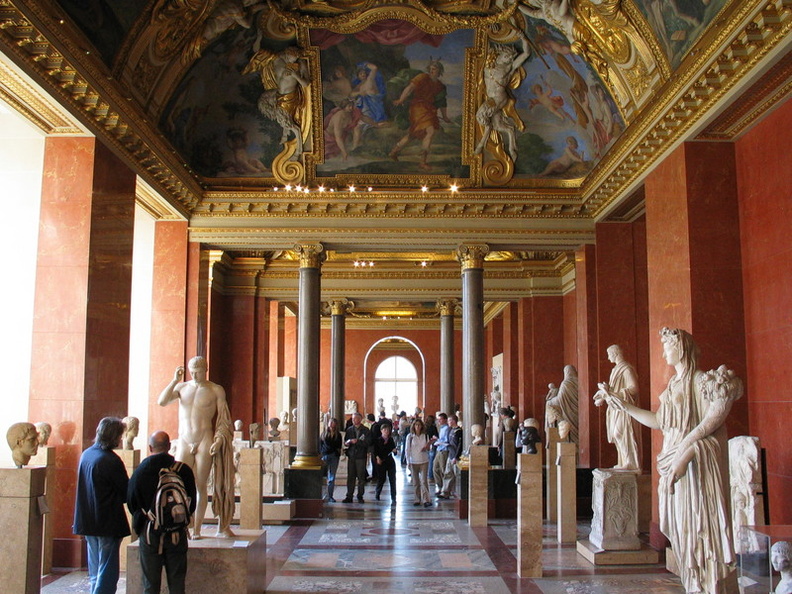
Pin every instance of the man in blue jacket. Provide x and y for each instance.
(99, 510)
(159, 550)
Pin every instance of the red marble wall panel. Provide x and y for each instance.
(81, 310)
(511, 353)
(493, 337)
(525, 351)
(168, 319)
(547, 363)
(261, 361)
(237, 372)
(764, 179)
(275, 355)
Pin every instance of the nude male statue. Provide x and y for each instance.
(205, 438)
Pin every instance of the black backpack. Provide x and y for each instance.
(169, 512)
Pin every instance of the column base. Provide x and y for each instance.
(312, 462)
(644, 556)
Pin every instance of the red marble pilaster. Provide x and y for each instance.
(547, 363)
(586, 314)
(168, 298)
(570, 328)
(525, 351)
(511, 353)
(694, 266)
(261, 361)
(764, 179)
(80, 350)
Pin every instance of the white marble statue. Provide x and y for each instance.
(205, 442)
(395, 405)
(380, 406)
(623, 383)
(494, 114)
(238, 425)
(564, 429)
(44, 432)
(565, 400)
(284, 420)
(781, 558)
(131, 429)
(745, 478)
(477, 433)
(691, 493)
(22, 438)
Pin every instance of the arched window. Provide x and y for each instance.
(396, 376)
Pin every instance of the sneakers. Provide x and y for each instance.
(441, 496)
(428, 504)
(347, 500)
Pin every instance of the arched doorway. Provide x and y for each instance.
(394, 366)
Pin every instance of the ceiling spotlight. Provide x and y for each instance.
(371, 263)
(288, 188)
(423, 264)
(298, 188)
(321, 188)
(351, 188)
(454, 188)
(370, 188)
(356, 263)
(424, 189)
(306, 190)
(275, 189)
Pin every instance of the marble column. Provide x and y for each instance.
(309, 323)
(338, 310)
(529, 515)
(447, 308)
(471, 257)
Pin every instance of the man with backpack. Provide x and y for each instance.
(161, 499)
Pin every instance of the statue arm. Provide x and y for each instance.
(644, 417)
(171, 391)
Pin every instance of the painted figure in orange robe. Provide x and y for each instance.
(423, 92)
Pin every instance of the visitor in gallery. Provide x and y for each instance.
(330, 449)
(417, 447)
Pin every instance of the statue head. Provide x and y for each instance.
(508, 424)
(254, 434)
(570, 373)
(131, 429)
(238, 425)
(781, 556)
(529, 437)
(679, 347)
(615, 354)
(44, 431)
(23, 440)
(273, 423)
(477, 432)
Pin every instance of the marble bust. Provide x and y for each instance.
(44, 431)
(477, 432)
(274, 423)
(131, 429)
(238, 425)
(564, 428)
(781, 558)
(529, 436)
(255, 432)
(23, 440)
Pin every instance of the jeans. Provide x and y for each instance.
(173, 558)
(103, 563)
(441, 457)
(386, 470)
(332, 466)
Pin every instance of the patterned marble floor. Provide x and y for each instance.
(375, 548)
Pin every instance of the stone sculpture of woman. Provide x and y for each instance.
(565, 399)
(691, 493)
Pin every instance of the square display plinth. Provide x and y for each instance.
(215, 565)
(646, 555)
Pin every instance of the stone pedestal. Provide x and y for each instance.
(250, 460)
(22, 505)
(529, 515)
(479, 486)
(46, 457)
(238, 435)
(215, 565)
(567, 492)
(305, 486)
(131, 460)
(509, 455)
(614, 526)
(551, 499)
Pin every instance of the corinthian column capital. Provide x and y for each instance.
(447, 307)
(340, 307)
(311, 254)
(471, 255)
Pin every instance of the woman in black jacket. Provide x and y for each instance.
(330, 448)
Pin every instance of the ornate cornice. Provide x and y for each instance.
(756, 29)
(86, 88)
(29, 102)
(471, 255)
(311, 254)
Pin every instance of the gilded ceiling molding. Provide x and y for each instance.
(154, 204)
(686, 100)
(34, 106)
(99, 107)
(311, 254)
(765, 94)
(471, 255)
